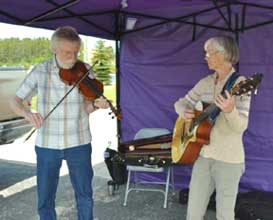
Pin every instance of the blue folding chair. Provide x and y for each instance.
(146, 133)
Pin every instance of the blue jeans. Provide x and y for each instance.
(49, 162)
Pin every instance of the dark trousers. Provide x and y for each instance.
(49, 162)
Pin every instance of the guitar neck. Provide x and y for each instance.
(204, 115)
(208, 110)
(243, 87)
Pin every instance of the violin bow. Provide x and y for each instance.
(63, 98)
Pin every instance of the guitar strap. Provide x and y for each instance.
(229, 84)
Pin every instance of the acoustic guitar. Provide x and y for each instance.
(190, 136)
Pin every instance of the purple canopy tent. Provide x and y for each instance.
(161, 57)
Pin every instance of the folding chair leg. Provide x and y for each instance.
(172, 177)
(127, 188)
(135, 178)
(167, 187)
(172, 180)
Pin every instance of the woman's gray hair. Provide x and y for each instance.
(64, 33)
(227, 45)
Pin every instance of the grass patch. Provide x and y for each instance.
(110, 93)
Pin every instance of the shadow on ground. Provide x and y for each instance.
(12, 172)
(140, 205)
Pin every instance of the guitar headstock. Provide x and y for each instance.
(248, 85)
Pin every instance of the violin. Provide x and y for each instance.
(90, 88)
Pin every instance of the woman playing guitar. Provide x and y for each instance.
(221, 161)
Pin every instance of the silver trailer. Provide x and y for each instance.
(11, 126)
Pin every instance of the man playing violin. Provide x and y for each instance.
(65, 134)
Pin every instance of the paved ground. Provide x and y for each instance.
(18, 185)
(141, 205)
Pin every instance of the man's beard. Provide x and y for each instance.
(65, 65)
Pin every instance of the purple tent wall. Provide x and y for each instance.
(161, 64)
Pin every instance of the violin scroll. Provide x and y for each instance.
(114, 111)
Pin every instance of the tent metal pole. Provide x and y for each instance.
(243, 18)
(229, 15)
(47, 13)
(11, 16)
(42, 17)
(184, 22)
(255, 5)
(243, 28)
(237, 28)
(178, 19)
(117, 46)
(194, 29)
(258, 25)
(84, 19)
(221, 13)
(117, 53)
(78, 15)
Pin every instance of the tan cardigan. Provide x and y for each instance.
(226, 136)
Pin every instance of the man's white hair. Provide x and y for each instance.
(64, 33)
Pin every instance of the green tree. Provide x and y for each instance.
(25, 52)
(105, 56)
